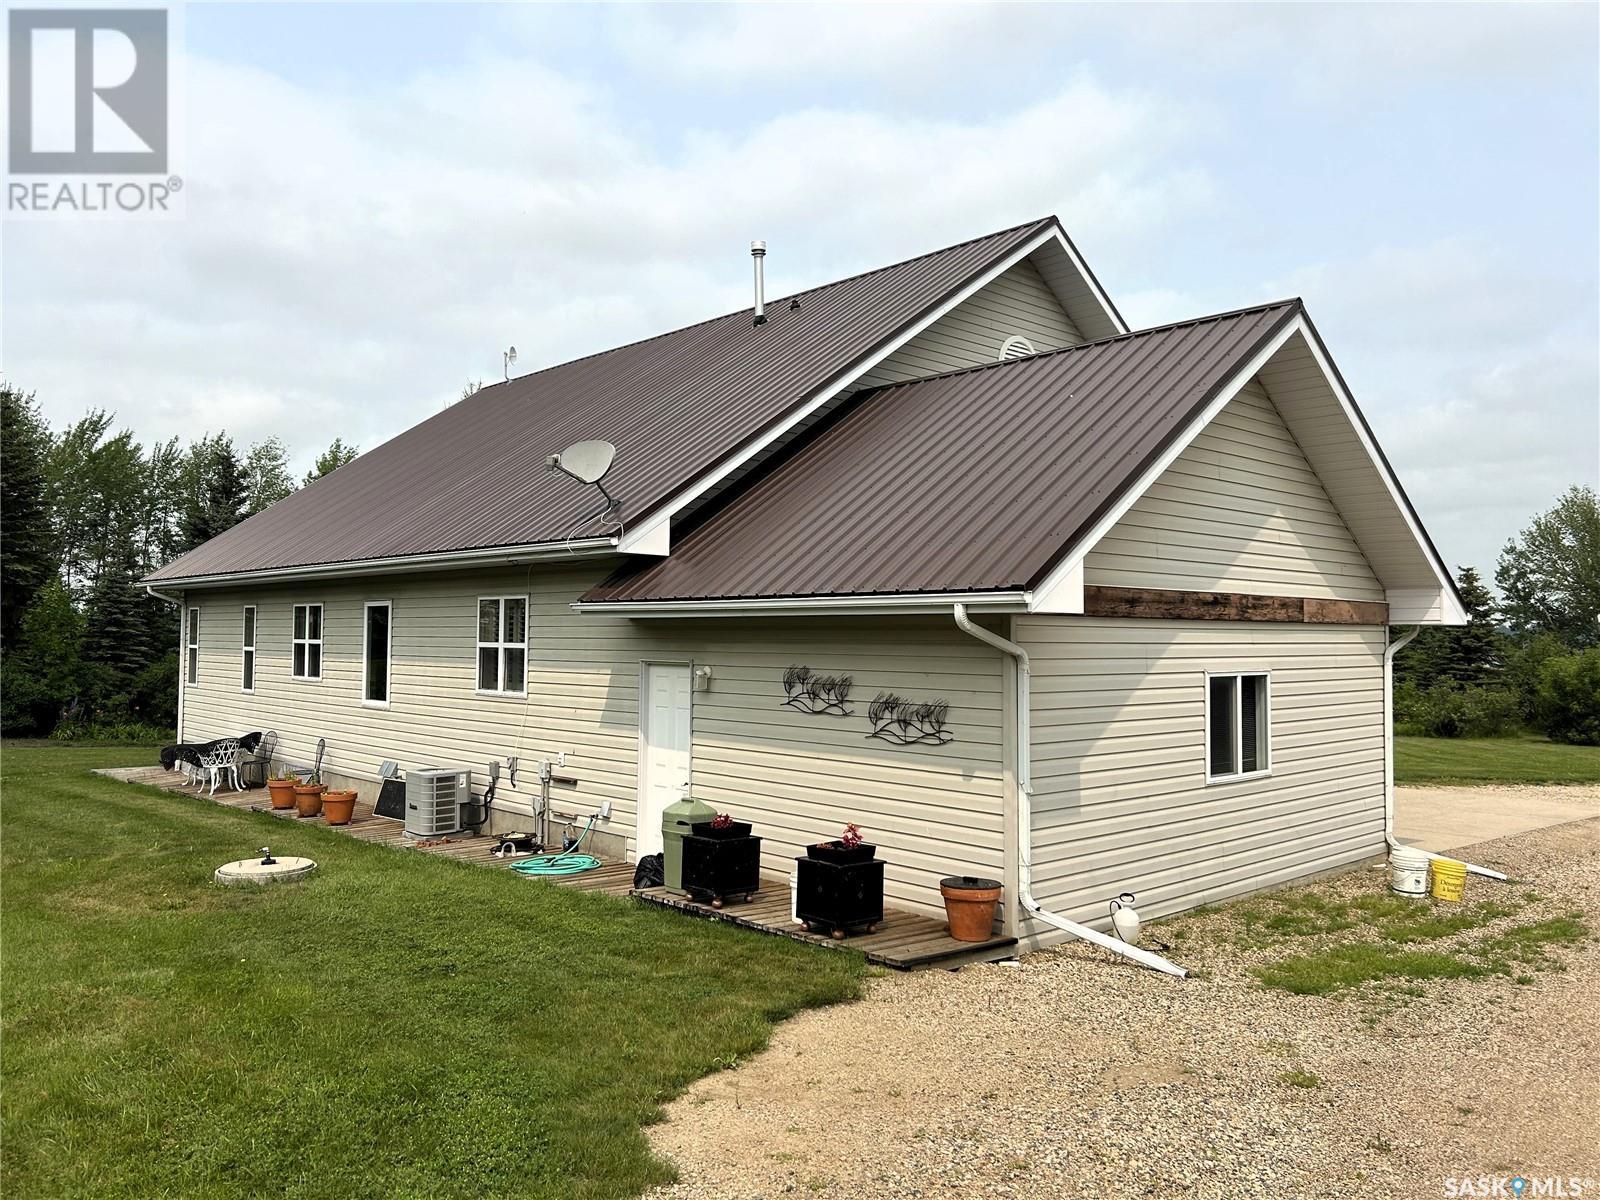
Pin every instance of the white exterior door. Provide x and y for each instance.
(663, 748)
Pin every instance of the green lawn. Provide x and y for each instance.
(399, 1025)
(1421, 760)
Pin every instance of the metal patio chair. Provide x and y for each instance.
(221, 758)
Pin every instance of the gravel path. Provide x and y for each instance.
(1074, 1074)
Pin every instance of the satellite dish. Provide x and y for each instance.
(587, 462)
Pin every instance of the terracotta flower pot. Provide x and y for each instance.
(339, 805)
(969, 905)
(308, 798)
(282, 792)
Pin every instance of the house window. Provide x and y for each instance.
(1238, 720)
(503, 644)
(192, 671)
(247, 678)
(376, 655)
(307, 641)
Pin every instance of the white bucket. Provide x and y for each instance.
(1408, 871)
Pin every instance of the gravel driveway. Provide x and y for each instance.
(1074, 1074)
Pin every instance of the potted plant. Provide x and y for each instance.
(721, 826)
(281, 788)
(339, 805)
(969, 904)
(839, 885)
(847, 848)
(308, 795)
(721, 859)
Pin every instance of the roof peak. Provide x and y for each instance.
(1039, 222)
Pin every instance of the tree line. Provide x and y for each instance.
(85, 512)
(1529, 660)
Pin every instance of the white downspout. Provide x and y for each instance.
(182, 648)
(1025, 811)
(1388, 761)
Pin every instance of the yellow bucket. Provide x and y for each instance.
(1449, 880)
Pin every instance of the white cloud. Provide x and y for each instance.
(347, 262)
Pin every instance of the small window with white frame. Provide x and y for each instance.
(503, 645)
(1238, 726)
(307, 653)
(247, 665)
(377, 641)
(192, 648)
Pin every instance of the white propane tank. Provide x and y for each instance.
(1125, 918)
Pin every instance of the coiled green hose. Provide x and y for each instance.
(567, 862)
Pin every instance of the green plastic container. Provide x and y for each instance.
(676, 824)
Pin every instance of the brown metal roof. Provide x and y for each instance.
(979, 480)
(676, 405)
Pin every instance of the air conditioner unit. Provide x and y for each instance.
(434, 796)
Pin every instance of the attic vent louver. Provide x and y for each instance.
(1016, 346)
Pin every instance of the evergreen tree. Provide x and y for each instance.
(331, 459)
(215, 490)
(27, 542)
(41, 674)
(116, 643)
(1469, 655)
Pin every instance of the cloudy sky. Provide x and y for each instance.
(380, 198)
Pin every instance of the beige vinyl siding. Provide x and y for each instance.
(1121, 801)
(1240, 510)
(1018, 302)
(933, 811)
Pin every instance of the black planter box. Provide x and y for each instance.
(835, 898)
(706, 829)
(717, 867)
(833, 852)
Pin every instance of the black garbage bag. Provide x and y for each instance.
(649, 872)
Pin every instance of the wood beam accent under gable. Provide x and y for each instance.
(1159, 604)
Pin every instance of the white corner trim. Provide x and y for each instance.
(676, 504)
(654, 537)
(796, 606)
(1073, 563)
(1062, 592)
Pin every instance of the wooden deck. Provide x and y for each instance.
(904, 940)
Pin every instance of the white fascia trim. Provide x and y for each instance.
(1058, 581)
(665, 512)
(1089, 281)
(1061, 577)
(810, 605)
(494, 556)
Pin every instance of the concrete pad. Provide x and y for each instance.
(1444, 818)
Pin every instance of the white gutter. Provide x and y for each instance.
(809, 605)
(450, 560)
(1388, 763)
(1025, 811)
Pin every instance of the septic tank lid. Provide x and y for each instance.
(254, 870)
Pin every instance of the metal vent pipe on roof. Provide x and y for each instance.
(758, 252)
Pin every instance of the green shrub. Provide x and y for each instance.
(1568, 708)
(109, 731)
(1449, 710)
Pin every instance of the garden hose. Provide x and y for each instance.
(568, 862)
